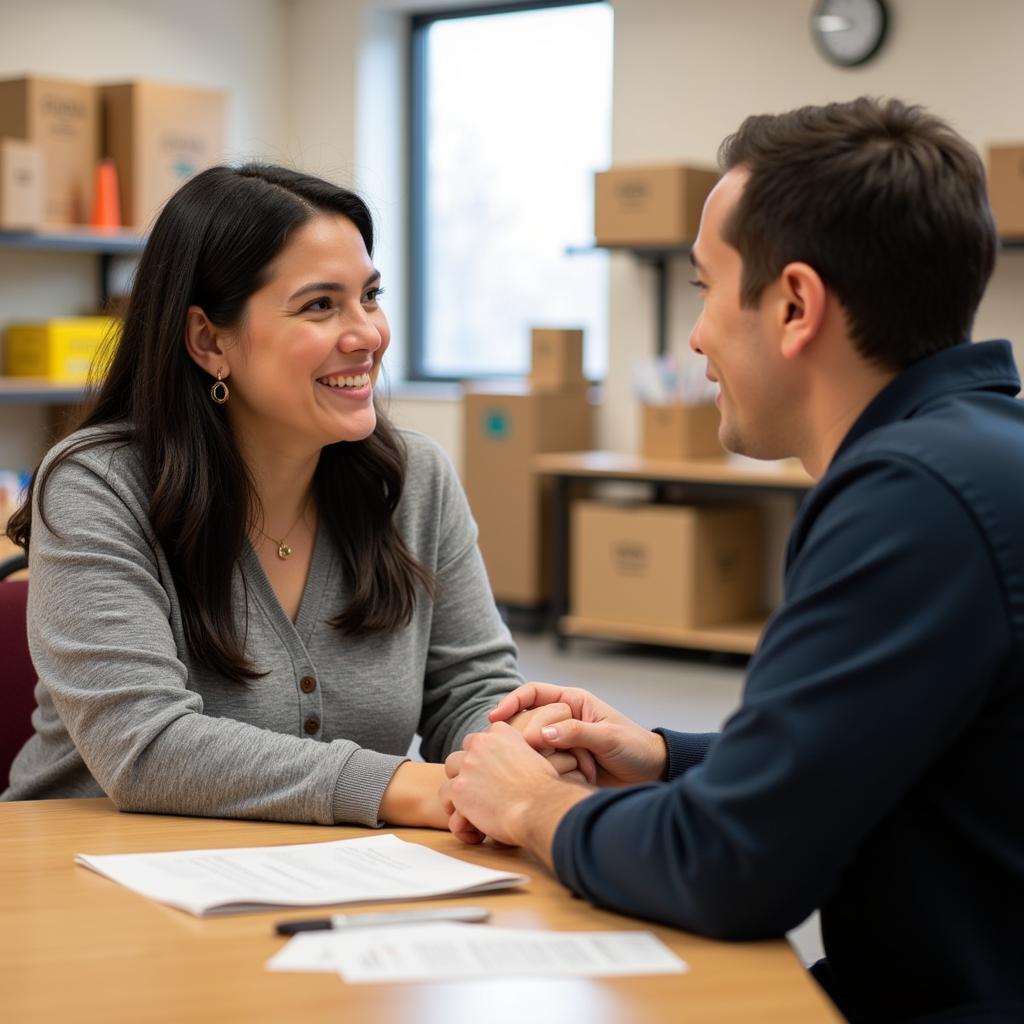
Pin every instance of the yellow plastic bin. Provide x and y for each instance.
(60, 350)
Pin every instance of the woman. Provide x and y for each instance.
(249, 591)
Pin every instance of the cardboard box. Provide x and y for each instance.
(650, 205)
(158, 137)
(62, 118)
(503, 429)
(680, 431)
(61, 350)
(556, 361)
(1006, 189)
(22, 196)
(665, 565)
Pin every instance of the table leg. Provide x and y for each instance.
(559, 557)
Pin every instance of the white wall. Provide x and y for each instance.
(320, 52)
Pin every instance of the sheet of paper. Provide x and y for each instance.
(433, 951)
(380, 867)
(307, 951)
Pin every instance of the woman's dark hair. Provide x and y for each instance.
(211, 247)
(885, 201)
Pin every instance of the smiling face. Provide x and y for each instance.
(304, 361)
(757, 387)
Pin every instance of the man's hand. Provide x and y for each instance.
(625, 752)
(573, 766)
(501, 787)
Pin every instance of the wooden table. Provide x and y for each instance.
(77, 947)
(717, 478)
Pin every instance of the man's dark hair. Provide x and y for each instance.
(885, 201)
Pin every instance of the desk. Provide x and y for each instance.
(76, 947)
(699, 478)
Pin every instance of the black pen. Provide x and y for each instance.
(466, 915)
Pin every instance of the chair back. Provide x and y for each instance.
(13, 563)
(17, 674)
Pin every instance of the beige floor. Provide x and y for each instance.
(654, 687)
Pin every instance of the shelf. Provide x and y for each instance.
(106, 243)
(598, 465)
(732, 638)
(38, 391)
(707, 477)
(657, 257)
(643, 252)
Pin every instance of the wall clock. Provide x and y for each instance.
(849, 32)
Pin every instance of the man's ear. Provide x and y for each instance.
(205, 343)
(801, 307)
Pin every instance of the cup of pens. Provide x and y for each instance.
(679, 416)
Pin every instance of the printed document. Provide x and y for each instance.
(424, 952)
(381, 867)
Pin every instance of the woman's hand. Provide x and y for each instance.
(411, 797)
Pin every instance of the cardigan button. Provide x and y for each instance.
(311, 725)
(307, 684)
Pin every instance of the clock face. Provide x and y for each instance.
(849, 32)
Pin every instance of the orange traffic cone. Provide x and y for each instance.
(106, 207)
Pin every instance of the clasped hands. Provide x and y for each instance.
(547, 749)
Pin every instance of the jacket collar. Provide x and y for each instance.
(981, 366)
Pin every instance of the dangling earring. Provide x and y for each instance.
(219, 391)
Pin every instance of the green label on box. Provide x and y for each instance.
(496, 424)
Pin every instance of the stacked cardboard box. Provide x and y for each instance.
(504, 427)
(22, 199)
(1006, 189)
(650, 206)
(673, 566)
(61, 118)
(679, 431)
(556, 359)
(158, 136)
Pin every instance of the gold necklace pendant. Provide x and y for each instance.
(284, 550)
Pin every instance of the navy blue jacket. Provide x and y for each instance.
(875, 767)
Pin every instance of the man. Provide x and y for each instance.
(875, 767)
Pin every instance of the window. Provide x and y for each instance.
(511, 116)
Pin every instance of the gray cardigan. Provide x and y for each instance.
(123, 709)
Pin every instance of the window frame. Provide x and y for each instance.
(417, 176)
